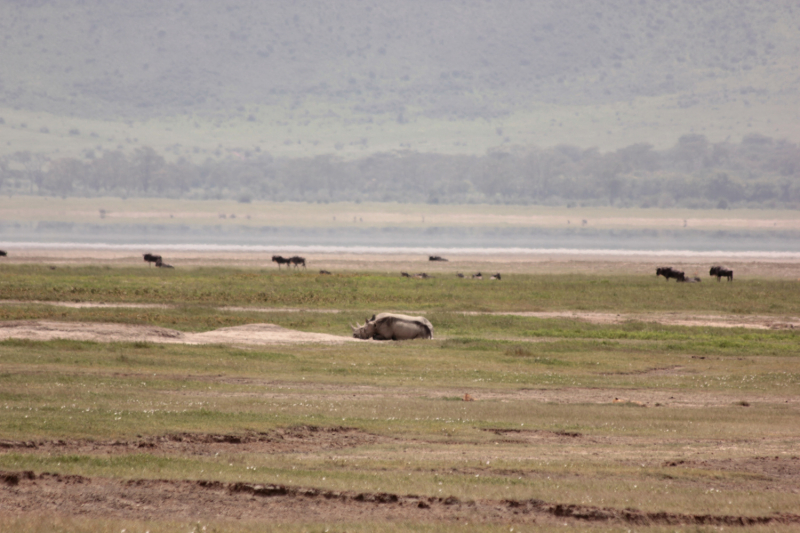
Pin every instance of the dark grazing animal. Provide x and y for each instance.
(496, 276)
(721, 272)
(405, 275)
(280, 260)
(421, 275)
(152, 258)
(162, 264)
(394, 327)
(669, 272)
(3, 253)
(325, 272)
(477, 276)
(460, 275)
(436, 258)
(689, 280)
(297, 261)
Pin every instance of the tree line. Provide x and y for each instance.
(757, 172)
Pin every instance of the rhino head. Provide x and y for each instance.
(367, 331)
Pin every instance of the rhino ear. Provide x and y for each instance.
(373, 317)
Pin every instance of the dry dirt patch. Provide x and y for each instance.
(300, 439)
(160, 499)
(259, 334)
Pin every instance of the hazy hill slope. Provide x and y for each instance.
(467, 58)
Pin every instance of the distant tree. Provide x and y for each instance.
(64, 173)
(639, 157)
(110, 174)
(146, 163)
(691, 153)
(33, 165)
(721, 187)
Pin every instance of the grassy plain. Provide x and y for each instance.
(706, 425)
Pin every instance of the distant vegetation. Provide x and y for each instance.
(758, 172)
(308, 100)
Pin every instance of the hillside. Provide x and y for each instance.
(304, 78)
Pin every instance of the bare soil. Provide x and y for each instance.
(300, 439)
(163, 499)
(257, 334)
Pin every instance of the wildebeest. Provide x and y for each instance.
(421, 275)
(689, 280)
(324, 272)
(3, 253)
(436, 258)
(280, 260)
(152, 258)
(477, 276)
(721, 272)
(669, 272)
(405, 275)
(496, 276)
(394, 327)
(460, 275)
(296, 260)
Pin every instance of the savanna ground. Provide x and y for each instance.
(145, 399)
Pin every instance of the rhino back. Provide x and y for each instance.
(403, 328)
(408, 318)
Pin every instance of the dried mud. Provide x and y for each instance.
(162, 499)
(299, 439)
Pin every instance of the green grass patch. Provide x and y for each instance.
(370, 291)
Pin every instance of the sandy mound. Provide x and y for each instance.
(42, 330)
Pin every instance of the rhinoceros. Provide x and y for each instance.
(394, 327)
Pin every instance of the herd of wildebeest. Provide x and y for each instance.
(297, 261)
(716, 270)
